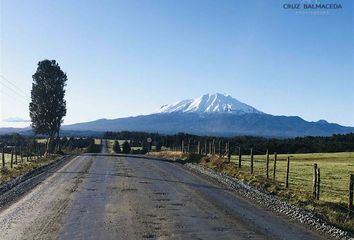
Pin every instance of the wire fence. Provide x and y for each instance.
(324, 180)
(14, 156)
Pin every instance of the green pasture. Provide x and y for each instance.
(335, 169)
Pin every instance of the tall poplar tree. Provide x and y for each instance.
(48, 106)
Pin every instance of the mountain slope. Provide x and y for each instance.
(216, 124)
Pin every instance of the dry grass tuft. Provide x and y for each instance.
(169, 155)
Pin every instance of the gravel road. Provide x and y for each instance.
(117, 197)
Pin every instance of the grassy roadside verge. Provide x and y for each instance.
(170, 155)
(334, 212)
(174, 156)
(23, 167)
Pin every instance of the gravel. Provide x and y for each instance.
(15, 188)
(273, 203)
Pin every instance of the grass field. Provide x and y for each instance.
(8, 159)
(41, 140)
(335, 170)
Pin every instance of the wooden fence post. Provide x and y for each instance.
(228, 152)
(12, 158)
(21, 155)
(220, 153)
(213, 147)
(287, 173)
(199, 149)
(267, 164)
(15, 156)
(3, 158)
(182, 147)
(205, 149)
(314, 181)
(27, 153)
(189, 146)
(275, 165)
(251, 161)
(350, 198)
(210, 147)
(239, 157)
(318, 184)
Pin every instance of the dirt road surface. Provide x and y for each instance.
(111, 197)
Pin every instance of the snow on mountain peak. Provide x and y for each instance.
(209, 103)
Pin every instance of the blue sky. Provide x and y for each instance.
(127, 58)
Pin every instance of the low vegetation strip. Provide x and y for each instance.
(335, 169)
(22, 165)
(171, 155)
(175, 156)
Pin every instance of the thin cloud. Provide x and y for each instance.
(15, 119)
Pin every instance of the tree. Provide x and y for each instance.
(48, 106)
(116, 147)
(92, 147)
(126, 147)
(158, 146)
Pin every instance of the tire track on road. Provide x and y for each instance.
(38, 214)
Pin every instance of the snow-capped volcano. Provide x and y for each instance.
(214, 115)
(209, 103)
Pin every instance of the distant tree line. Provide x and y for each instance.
(335, 143)
(17, 140)
(13, 140)
(126, 148)
(72, 142)
(8, 141)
